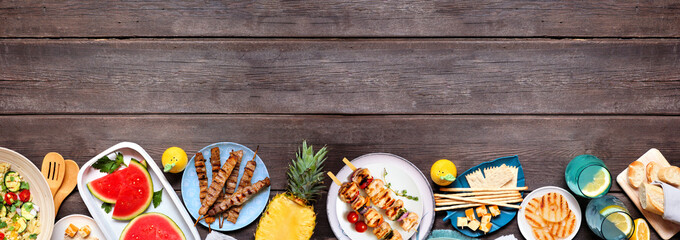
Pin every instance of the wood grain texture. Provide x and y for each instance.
(325, 18)
(346, 77)
(74, 205)
(544, 144)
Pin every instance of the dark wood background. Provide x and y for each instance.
(464, 80)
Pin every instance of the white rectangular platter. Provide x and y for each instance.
(665, 229)
(170, 206)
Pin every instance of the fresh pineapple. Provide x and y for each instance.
(290, 215)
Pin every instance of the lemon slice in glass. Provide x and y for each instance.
(621, 221)
(599, 185)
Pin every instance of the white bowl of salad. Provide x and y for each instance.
(26, 208)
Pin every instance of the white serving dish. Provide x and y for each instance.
(524, 226)
(170, 206)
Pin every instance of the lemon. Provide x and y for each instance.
(641, 230)
(599, 185)
(443, 172)
(174, 160)
(622, 221)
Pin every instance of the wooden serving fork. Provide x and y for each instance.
(53, 167)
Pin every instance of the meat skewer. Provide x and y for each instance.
(239, 197)
(382, 197)
(218, 183)
(231, 183)
(199, 162)
(349, 193)
(248, 171)
(215, 165)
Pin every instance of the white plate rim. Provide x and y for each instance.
(424, 228)
(524, 227)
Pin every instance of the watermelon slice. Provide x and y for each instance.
(108, 187)
(136, 193)
(150, 226)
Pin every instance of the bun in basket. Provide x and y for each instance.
(651, 198)
(670, 175)
(636, 173)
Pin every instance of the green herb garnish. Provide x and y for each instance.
(157, 198)
(402, 193)
(33, 236)
(107, 165)
(24, 185)
(107, 207)
(3, 224)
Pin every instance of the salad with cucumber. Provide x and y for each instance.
(18, 215)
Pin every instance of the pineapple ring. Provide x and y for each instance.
(564, 228)
(554, 207)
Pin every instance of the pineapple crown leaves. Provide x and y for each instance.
(305, 173)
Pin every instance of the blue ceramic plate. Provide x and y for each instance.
(251, 209)
(507, 214)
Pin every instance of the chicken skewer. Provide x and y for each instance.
(215, 165)
(199, 162)
(239, 197)
(231, 184)
(382, 197)
(248, 171)
(218, 183)
(349, 193)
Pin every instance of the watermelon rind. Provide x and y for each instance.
(142, 208)
(134, 221)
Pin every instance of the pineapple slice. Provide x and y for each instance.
(286, 219)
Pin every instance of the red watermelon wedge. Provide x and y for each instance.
(150, 226)
(135, 196)
(108, 187)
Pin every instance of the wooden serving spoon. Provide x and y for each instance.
(70, 182)
(53, 170)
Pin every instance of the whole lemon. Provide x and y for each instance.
(174, 160)
(443, 172)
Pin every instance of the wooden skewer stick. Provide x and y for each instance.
(349, 164)
(506, 194)
(479, 194)
(483, 189)
(463, 206)
(487, 202)
(454, 202)
(335, 179)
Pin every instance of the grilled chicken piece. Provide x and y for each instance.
(217, 184)
(348, 192)
(374, 187)
(410, 222)
(199, 162)
(384, 199)
(361, 177)
(232, 214)
(239, 197)
(373, 217)
(382, 230)
(358, 203)
(215, 165)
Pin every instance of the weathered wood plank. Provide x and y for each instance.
(324, 18)
(544, 144)
(74, 205)
(347, 77)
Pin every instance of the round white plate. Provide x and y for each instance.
(40, 191)
(402, 175)
(80, 221)
(525, 228)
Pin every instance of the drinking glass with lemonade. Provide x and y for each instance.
(588, 177)
(609, 219)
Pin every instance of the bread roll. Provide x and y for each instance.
(651, 198)
(652, 172)
(670, 175)
(636, 173)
